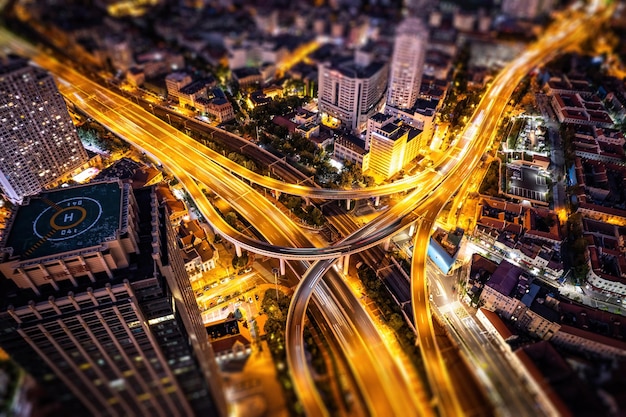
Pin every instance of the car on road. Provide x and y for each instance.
(244, 271)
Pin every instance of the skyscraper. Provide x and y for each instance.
(350, 91)
(38, 141)
(527, 9)
(407, 63)
(95, 303)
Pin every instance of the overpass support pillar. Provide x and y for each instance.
(377, 201)
(386, 244)
(348, 201)
(277, 194)
(238, 250)
(412, 229)
(346, 264)
(282, 267)
(307, 201)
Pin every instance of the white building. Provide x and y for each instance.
(527, 9)
(351, 148)
(350, 92)
(175, 82)
(38, 142)
(407, 63)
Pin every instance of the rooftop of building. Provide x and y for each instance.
(141, 266)
(351, 142)
(12, 62)
(499, 325)
(222, 328)
(607, 327)
(246, 72)
(166, 196)
(177, 76)
(66, 219)
(197, 85)
(123, 169)
(381, 117)
(558, 380)
(145, 175)
(505, 278)
(349, 68)
(219, 101)
(304, 113)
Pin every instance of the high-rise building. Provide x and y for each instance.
(391, 143)
(350, 91)
(527, 9)
(407, 63)
(38, 142)
(95, 303)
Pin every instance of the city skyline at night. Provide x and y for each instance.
(313, 208)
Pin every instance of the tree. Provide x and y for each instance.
(231, 219)
(293, 202)
(396, 322)
(240, 261)
(316, 217)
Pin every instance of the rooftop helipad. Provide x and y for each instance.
(65, 220)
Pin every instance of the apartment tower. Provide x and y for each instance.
(38, 142)
(351, 90)
(407, 63)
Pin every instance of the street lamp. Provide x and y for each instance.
(276, 283)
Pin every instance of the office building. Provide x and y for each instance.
(407, 63)
(175, 82)
(527, 9)
(95, 303)
(350, 91)
(391, 143)
(38, 142)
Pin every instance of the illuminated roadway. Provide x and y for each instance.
(378, 374)
(468, 151)
(418, 264)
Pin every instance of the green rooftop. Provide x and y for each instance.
(66, 219)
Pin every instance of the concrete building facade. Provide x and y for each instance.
(351, 91)
(97, 306)
(407, 63)
(39, 145)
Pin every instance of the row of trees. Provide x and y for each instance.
(276, 306)
(276, 310)
(391, 313)
(93, 134)
(491, 181)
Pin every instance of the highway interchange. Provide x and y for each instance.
(382, 382)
